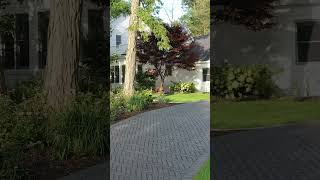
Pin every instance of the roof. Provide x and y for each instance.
(203, 47)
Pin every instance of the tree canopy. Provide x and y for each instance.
(180, 55)
(255, 15)
(197, 17)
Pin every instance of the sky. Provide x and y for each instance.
(166, 10)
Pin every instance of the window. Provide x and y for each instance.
(308, 41)
(139, 68)
(123, 72)
(206, 74)
(114, 74)
(22, 41)
(95, 47)
(43, 24)
(7, 51)
(168, 70)
(118, 40)
(14, 47)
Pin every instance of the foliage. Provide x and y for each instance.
(22, 127)
(138, 102)
(7, 24)
(117, 105)
(145, 80)
(81, 129)
(197, 17)
(119, 7)
(162, 99)
(181, 54)
(146, 18)
(26, 90)
(255, 15)
(242, 82)
(183, 87)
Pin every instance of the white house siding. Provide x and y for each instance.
(32, 8)
(276, 46)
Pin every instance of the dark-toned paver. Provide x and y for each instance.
(282, 153)
(168, 143)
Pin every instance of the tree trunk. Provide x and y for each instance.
(131, 51)
(63, 52)
(161, 88)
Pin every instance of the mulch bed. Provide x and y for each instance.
(42, 165)
(151, 107)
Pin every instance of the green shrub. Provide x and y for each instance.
(21, 128)
(25, 90)
(144, 80)
(82, 129)
(117, 105)
(183, 87)
(242, 82)
(162, 99)
(138, 102)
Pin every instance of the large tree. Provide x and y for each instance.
(142, 15)
(182, 53)
(197, 17)
(60, 83)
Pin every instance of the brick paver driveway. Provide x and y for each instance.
(283, 153)
(169, 143)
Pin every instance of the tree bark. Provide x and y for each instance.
(63, 52)
(131, 51)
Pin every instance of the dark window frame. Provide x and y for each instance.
(118, 40)
(205, 76)
(298, 42)
(43, 43)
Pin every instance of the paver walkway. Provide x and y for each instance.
(169, 143)
(282, 153)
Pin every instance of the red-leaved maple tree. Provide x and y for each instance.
(180, 55)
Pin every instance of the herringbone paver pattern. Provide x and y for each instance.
(160, 144)
(282, 153)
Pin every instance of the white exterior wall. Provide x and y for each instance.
(276, 47)
(120, 27)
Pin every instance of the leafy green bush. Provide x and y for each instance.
(138, 102)
(242, 82)
(21, 128)
(82, 129)
(117, 105)
(183, 87)
(144, 80)
(26, 90)
(162, 99)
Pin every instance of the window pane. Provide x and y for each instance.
(205, 74)
(112, 70)
(22, 41)
(43, 37)
(169, 70)
(308, 52)
(7, 51)
(308, 31)
(123, 72)
(116, 74)
(118, 40)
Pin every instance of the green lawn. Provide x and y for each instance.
(250, 114)
(204, 172)
(188, 97)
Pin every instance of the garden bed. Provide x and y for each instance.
(150, 107)
(42, 165)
